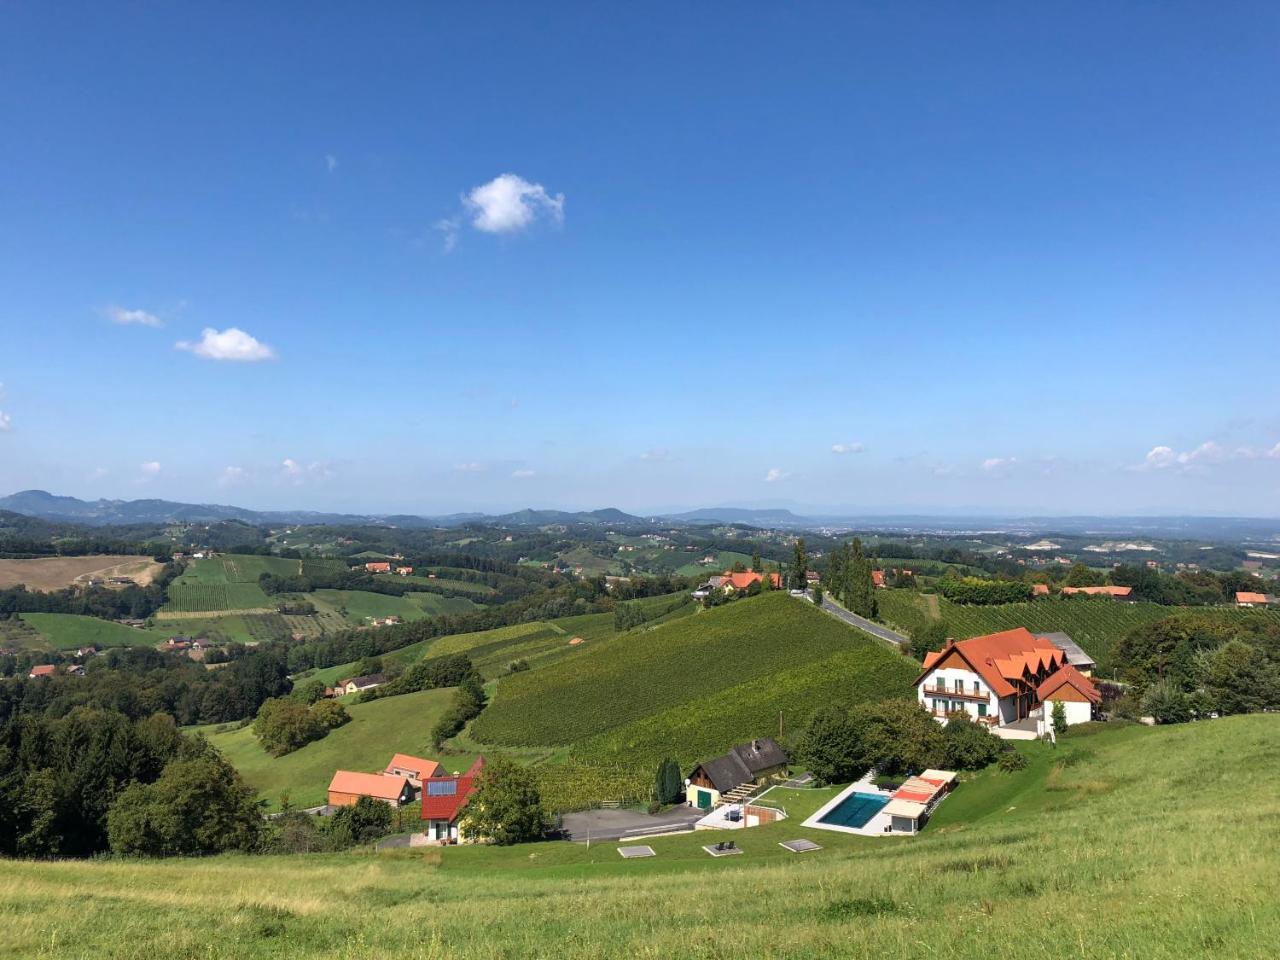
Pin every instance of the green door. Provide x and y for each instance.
(704, 800)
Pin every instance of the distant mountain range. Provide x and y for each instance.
(48, 506)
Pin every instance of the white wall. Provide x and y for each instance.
(927, 693)
(1076, 712)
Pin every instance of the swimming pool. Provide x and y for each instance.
(854, 810)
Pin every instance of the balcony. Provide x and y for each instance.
(952, 695)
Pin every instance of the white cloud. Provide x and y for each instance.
(847, 448)
(472, 467)
(150, 470)
(230, 344)
(449, 228)
(509, 203)
(232, 476)
(6, 422)
(127, 317)
(774, 475)
(330, 162)
(657, 454)
(98, 473)
(522, 473)
(1244, 453)
(299, 473)
(1160, 457)
(991, 464)
(1164, 457)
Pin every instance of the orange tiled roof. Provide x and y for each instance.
(1039, 589)
(368, 784)
(740, 581)
(1068, 676)
(1245, 596)
(1000, 658)
(425, 769)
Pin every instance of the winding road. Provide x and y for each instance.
(877, 630)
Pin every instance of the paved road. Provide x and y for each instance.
(863, 624)
(623, 824)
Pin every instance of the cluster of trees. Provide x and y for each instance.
(975, 590)
(468, 700)
(108, 603)
(506, 807)
(284, 724)
(139, 681)
(449, 670)
(1190, 665)
(848, 578)
(82, 783)
(892, 737)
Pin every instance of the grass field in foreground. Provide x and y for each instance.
(67, 631)
(1126, 843)
(376, 731)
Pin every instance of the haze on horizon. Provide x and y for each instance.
(1006, 260)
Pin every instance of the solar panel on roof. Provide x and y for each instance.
(442, 788)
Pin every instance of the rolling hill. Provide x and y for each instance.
(1114, 845)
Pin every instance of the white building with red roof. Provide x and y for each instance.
(443, 799)
(1001, 679)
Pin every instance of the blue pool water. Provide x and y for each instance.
(854, 810)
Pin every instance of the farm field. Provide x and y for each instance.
(357, 606)
(445, 583)
(405, 655)
(207, 596)
(67, 631)
(1095, 624)
(377, 730)
(55, 573)
(1003, 855)
(725, 559)
(681, 666)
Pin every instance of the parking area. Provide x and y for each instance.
(622, 824)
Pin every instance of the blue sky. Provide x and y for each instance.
(1007, 257)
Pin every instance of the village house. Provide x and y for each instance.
(877, 578)
(1039, 590)
(915, 800)
(1247, 598)
(413, 769)
(1116, 593)
(83, 652)
(347, 787)
(378, 566)
(811, 578)
(175, 644)
(358, 684)
(42, 670)
(443, 800)
(996, 679)
(1076, 692)
(404, 571)
(734, 776)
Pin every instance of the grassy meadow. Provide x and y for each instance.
(67, 631)
(1124, 842)
(377, 730)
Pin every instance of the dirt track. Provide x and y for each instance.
(54, 573)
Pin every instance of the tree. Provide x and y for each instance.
(364, 821)
(1239, 679)
(330, 714)
(817, 594)
(1081, 576)
(860, 593)
(899, 737)
(506, 807)
(831, 746)
(667, 782)
(799, 566)
(755, 561)
(968, 745)
(198, 806)
(928, 637)
(1059, 718)
(1167, 703)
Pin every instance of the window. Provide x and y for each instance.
(982, 709)
(939, 683)
(977, 688)
(959, 686)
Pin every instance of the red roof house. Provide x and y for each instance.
(42, 670)
(741, 581)
(443, 799)
(378, 566)
(1039, 589)
(1247, 598)
(877, 578)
